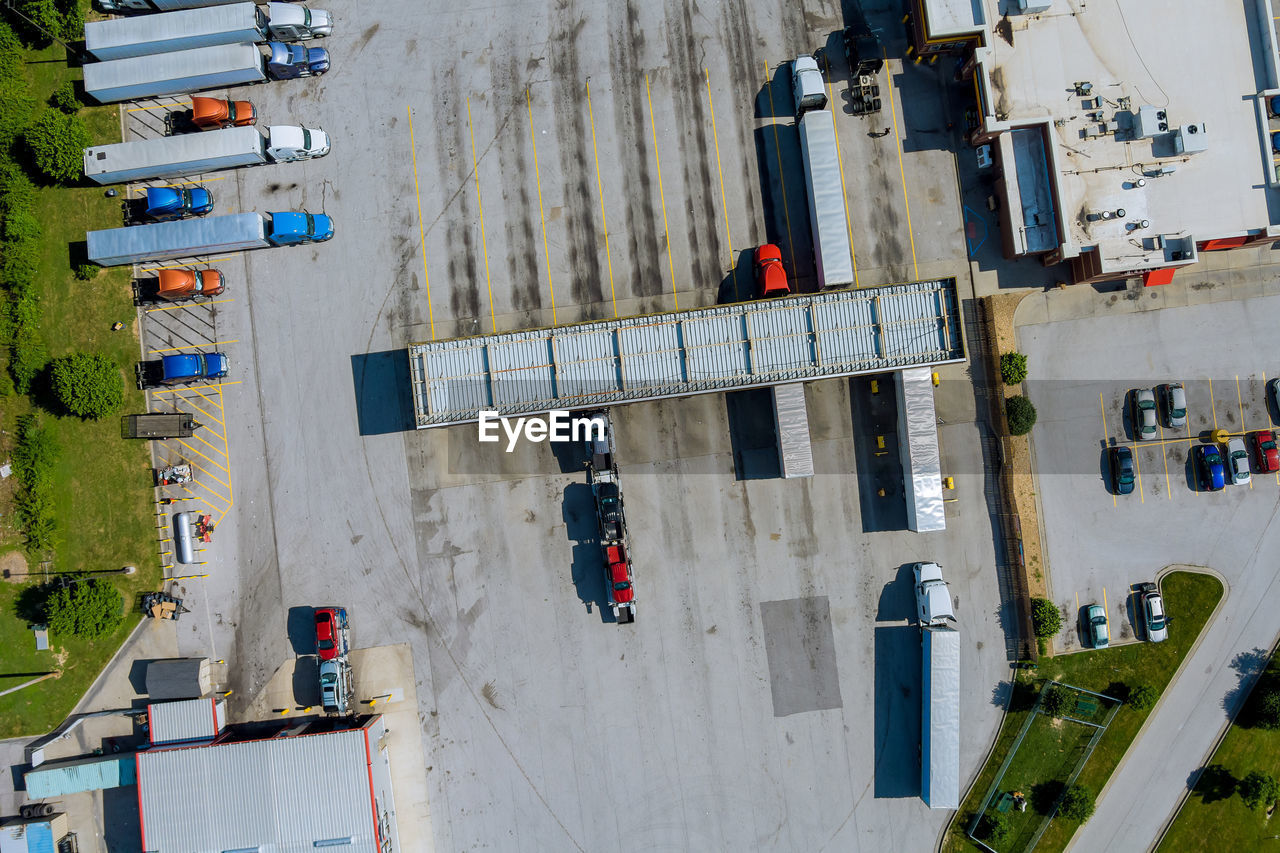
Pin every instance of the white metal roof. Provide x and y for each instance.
(281, 794)
(940, 746)
(189, 719)
(722, 348)
(791, 420)
(918, 450)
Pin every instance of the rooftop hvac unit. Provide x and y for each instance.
(1190, 138)
(1033, 7)
(1149, 121)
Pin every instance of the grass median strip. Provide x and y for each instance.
(1053, 745)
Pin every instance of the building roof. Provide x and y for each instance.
(282, 794)
(187, 720)
(178, 678)
(953, 17)
(1198, 65)
(722, 348)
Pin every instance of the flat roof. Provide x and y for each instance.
(703, 350)
(954, 17)
(1198, 64)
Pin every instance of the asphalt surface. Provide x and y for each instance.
(1131, 538)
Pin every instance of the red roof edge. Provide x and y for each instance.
(373, 800)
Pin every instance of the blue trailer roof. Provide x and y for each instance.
(61, 779)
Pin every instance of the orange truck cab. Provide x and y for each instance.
(771, 278)
(215, 113)
(190, 284)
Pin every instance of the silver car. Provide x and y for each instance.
(1157, 624)
(1238, 461)
(1144, 415)
(1173, 399)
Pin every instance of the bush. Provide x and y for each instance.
(1078, 804)
(994, 828)
(71, 23)
(1054, 701)
(1266, 707)
(86, 271)
(1021, 415)
(88, 608)
(64, 98)
(87, 385)
(34, 455)
(56, 142)
(1046, 618)
(27, 357)
(37, 21)
(1259, 790)
(1013, 368)
(1143, 697)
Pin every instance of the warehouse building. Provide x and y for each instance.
(1123, 143)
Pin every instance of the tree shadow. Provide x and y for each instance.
(32, 602)
(1248, 666)
(1045, 795)
(1119, 690)
(1215, 783)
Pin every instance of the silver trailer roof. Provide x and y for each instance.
(186, 720)
(168, 26)
(791, 420)
(155, 239)
(830, 225)
(178, 65)
(161, 150)
(940, 741)
(918, 449)
(722, 348)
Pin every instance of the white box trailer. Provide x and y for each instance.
(791, 424)
(832, 254)
(143, 35)
(197, 153)
(157, 5)
(174, 73)
(940, 719)
(185, 238)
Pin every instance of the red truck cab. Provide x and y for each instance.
(189, 284)
(771, 278)
(619, 577)
(217, 113)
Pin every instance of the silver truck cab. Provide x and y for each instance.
(806, 81)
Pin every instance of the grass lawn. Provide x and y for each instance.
(1213, 817)
(102, 493)
(1189, 599)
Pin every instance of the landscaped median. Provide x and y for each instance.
(1064, 719)
(1231, 807)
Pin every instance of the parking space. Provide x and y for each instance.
(1082, 372)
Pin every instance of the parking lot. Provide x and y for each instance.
(1081, 374)
(545, 165)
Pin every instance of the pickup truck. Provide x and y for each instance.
(182, 369)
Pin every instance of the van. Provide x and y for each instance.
(806, 81)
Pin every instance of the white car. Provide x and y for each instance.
(1144, 415)
(1157, 624)
(1238, 461)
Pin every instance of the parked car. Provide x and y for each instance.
(1238, 461)
(1144, 414)
(1264, 450)
(1273, 391)
(1157, 624)
(771, 278)
(331, 632)
(1123, 473)
(1099, 635)
(1173, 401)
(1210, 473)
(334, 684)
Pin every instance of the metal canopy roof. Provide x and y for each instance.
(725, 347)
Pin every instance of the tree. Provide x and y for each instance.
(89, 609)
(87, 385)
(1259, 790)
(1053, 702)
(64, 98)
(1267, 707)
(1013, 368)
(57, 142)
(1078, 804)
(995, 828)
(1143, 696)
(1046, 618)
(1021, 415)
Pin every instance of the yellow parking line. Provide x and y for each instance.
(207, 488)
(203, 413)
(422, 234)
(206, 458)
(185, 266)
(1106, 610)
(848, 220)
(604, 220)
(153, 107)
(141, 191)
(484, 243)
(902, 172)
(777, 150)
(1137, 467)
(1240, 406)
(221, 451)
(1168, 487)
(176, 349)
(1213, 406)
(724, 205)
(177, 390)
(1106, 440)
(662, 196)
(546, 251)
(231, 492)
(184, 305)
(207, 398)
(206, 472)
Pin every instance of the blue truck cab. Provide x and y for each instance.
(165, 204)
(297, 228)
(192, 367)
(290, 61)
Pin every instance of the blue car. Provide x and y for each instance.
(1210, 472)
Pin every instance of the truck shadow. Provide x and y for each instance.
(898, 689)
(897, 598)
(306, 680)
(381, 382)
(300, 626)
(579, 514)
(752, 434)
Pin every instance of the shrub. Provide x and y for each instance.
(994, 828)
(1259, 790)
(89, 608)
(1013, 368)
(86, 271)
(1046, 618)
(56, 142)
(64, 98)
(38, 21)
(87, 385)
(1054, 701)
(71, 20)
(1078, 804)
(1143, 697)
(34, 454)
(1021, 415)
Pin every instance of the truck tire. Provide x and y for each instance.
(46, 809)
(26, 811)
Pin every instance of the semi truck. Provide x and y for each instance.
(216, 114)
(168, 204)
(235, 23)
(832, 254)
(197, 153)
(179, 285)
(806, 82)
(611, 522)
(940, 714)
(116, 6)
(185, 71)
(188, 238)
(182, 369)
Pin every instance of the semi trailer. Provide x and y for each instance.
(187, 238)
(832, 253)
(184, 71)
(235, 23)
(197, 153)
(940, 713)
(112, 6)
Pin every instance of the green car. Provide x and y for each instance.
(1099, 635)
